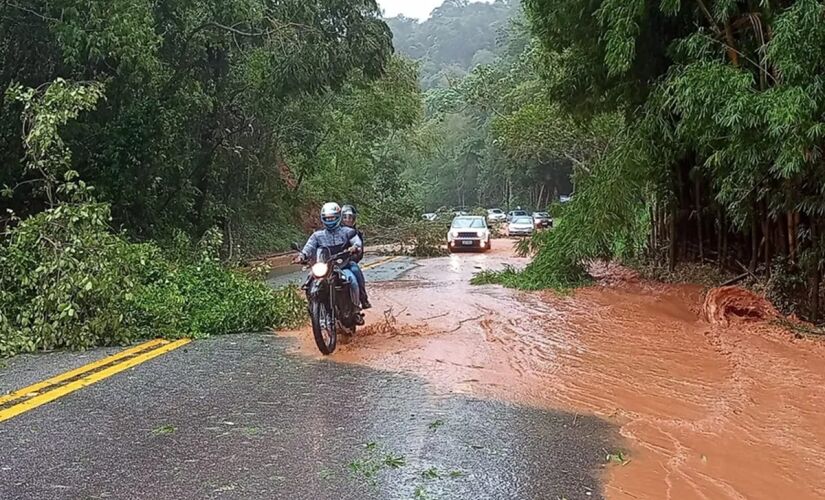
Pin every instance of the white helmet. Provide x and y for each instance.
(331, 215)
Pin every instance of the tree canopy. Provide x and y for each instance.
(720, 154)
(144, 145)
(459, 36)
(207, 106)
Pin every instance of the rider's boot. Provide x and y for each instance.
(365, 301)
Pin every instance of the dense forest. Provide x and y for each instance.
(476, 145)
(148, 149)
(457, 37)
(143, 144)
(705, 122)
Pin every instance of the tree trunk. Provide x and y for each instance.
(509, 194)
(733, 55)
(653, 239)
(782, 240)
(699, 218)
(725, 240)
(229, 239)
(682, 202)
(754, 242)
(791, 237)
(816, 273)
(767, 236)
(671, 263)
(816, 283)
(720, 239)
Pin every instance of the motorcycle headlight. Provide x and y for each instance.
(320, 269)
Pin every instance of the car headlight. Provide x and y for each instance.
(320, 269)
(452, 234)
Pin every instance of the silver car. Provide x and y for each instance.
(521, 226)
(496, 215)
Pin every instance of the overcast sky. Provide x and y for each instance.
(411, 8)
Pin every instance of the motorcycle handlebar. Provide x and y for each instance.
(341, 255)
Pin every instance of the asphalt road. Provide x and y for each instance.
(244, 417)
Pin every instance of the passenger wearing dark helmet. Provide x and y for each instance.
(348, 217)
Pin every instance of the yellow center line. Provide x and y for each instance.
(36, 388)
(95, 377)
(380, 262)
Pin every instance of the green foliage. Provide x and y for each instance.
(415, 238)
(455, 39)
(213, 110)
(374, 460)
(689, 126)
(488, 139)
(68, 281)
(359, 161)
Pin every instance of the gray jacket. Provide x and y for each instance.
(336, 240)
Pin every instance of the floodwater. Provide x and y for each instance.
(726, 410)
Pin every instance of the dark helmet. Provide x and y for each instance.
(348, 215)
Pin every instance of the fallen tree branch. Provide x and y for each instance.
(735, 280)
(461, 323)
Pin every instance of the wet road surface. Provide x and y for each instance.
(708, 411)
(451, 391)
(237, 417)
(254, 416)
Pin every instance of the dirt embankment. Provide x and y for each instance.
(729, 408)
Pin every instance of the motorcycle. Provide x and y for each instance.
(331, 307)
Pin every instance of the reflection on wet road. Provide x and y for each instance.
(709, 411)
(450, 392)
(237, 417)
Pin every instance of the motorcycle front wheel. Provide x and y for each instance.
(323, 327)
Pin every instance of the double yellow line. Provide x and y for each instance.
(35, 395)
(29, 398)
(379, 262)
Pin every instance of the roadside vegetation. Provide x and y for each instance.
(148, 148)
(695, 133)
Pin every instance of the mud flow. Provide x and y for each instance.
(713, 400)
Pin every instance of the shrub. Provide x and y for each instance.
(67, 281)
(414, 238)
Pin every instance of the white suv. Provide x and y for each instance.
(468, 233)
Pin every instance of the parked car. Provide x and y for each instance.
(468, 233)
(430, 217)
(496, 215)
(542, 220)
(517, 213)
(521, 226)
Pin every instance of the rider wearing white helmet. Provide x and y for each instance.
(336, 238)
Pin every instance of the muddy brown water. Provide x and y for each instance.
(707, 411)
